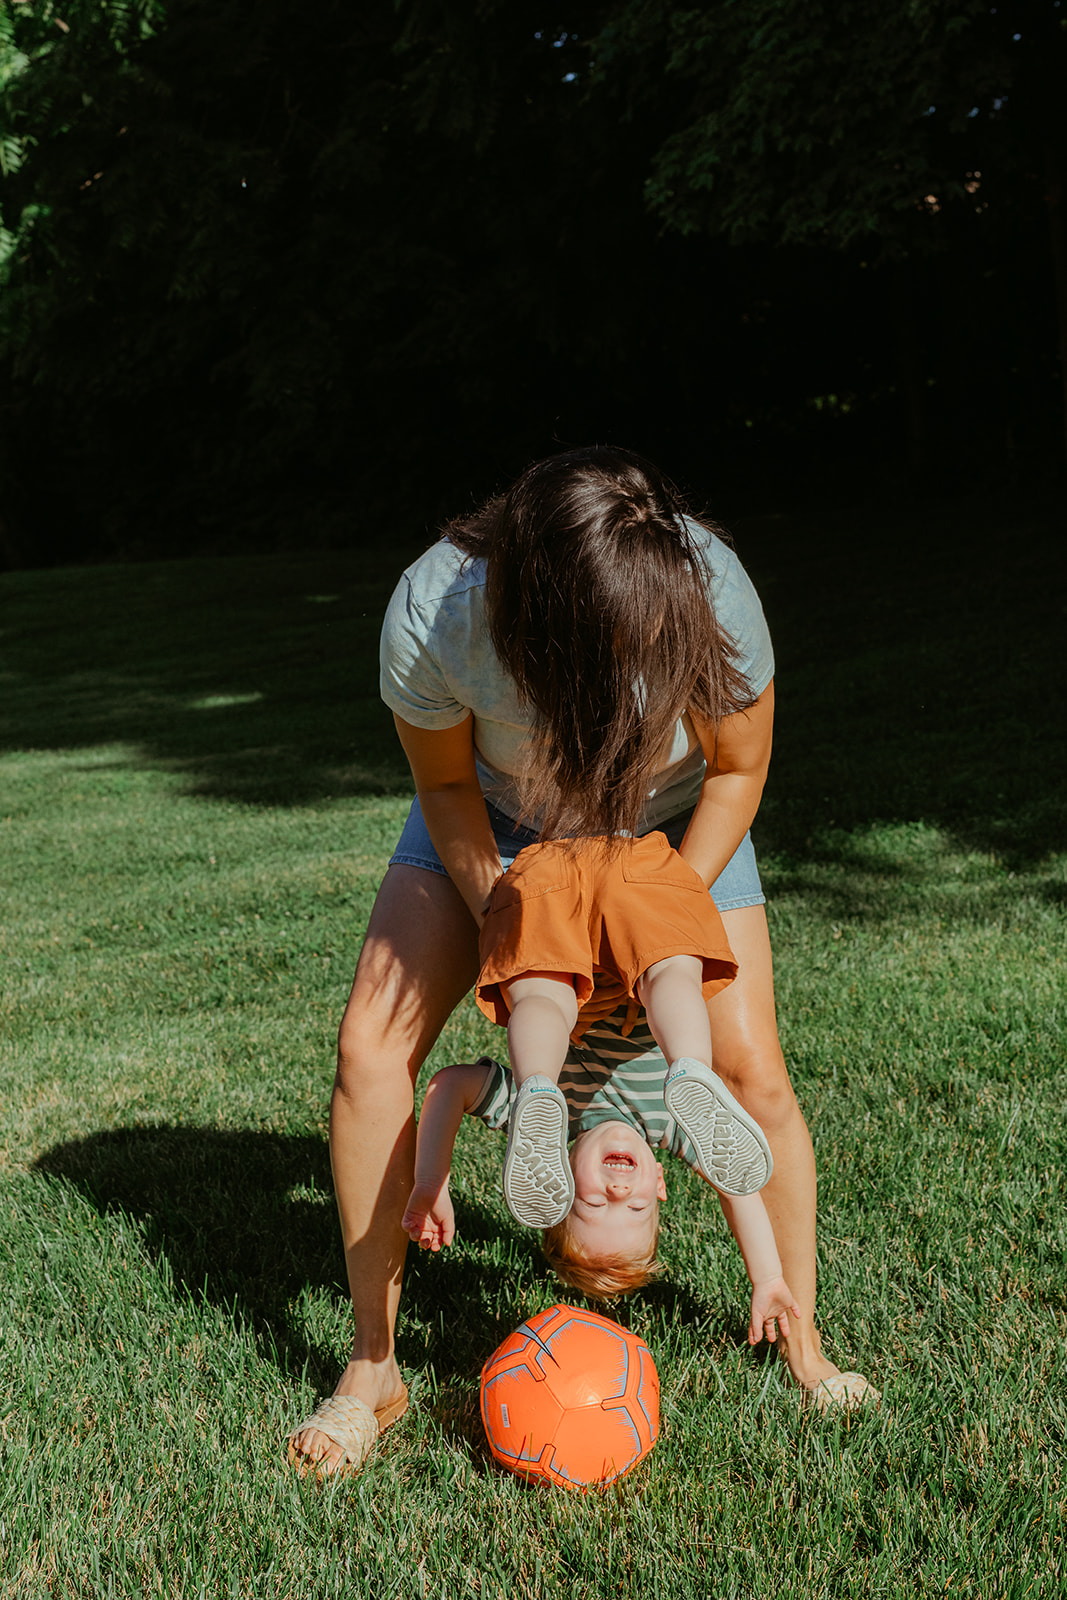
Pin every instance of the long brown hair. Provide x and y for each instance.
(597, 605)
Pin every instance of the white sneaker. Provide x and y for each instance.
(538, 1182)
(730, 1147)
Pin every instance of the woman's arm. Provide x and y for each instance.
(428, 1216)
(446, 781)
(733, 785)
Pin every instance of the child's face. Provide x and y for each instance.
(618, 1184)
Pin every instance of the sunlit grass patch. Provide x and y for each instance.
(182, 898)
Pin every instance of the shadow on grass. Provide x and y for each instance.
(918, 660)
(874, 893)
(254, 679)
(247, 1221)
(918, 679)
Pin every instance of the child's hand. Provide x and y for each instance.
(428, 1216)
(772, 1306)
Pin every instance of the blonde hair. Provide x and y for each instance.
(599, 1277)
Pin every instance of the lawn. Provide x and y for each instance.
(199, 790)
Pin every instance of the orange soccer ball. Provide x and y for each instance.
(570, 1398)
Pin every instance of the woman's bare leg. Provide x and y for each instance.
(419, 958)
(748, 1057)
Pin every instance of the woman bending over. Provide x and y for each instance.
(579, 658)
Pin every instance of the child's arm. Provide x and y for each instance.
(428, 1216)
(772, 1298)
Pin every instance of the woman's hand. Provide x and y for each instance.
(772, 1306)
(429, 1220)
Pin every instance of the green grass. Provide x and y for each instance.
(198, 794)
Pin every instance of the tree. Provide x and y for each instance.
(906, 129)
(295, 270)
(274, 270)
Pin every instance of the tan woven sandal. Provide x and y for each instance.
(845, 1391)
(350, 1423)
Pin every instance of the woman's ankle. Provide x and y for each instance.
(372, 1358)
(802, 1354)
(376, 1381)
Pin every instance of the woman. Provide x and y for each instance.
(524, 659)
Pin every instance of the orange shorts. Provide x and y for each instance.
(604, 919)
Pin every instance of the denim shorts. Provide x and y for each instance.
(737, 884)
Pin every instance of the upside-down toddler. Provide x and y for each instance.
(573, 930)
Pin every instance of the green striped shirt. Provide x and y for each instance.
(605, 1079)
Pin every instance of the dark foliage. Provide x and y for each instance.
(283, 275)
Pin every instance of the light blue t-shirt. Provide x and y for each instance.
(438, 664)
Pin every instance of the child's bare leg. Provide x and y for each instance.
(672, 993)
(538, 1182)
(730, 1146)
(544, 1009)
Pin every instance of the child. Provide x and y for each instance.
(571, 928)
(636, 917)
(607, 1244)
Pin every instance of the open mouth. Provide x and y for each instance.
(619, 1161)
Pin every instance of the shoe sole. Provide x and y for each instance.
(538, 1182)
(731, 1150)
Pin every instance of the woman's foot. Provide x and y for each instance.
(380, 1387)
(826, 1387)
(538, 1181)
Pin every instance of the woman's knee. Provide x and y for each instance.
(418, 960)
(760, 1081)
(373, 1047)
